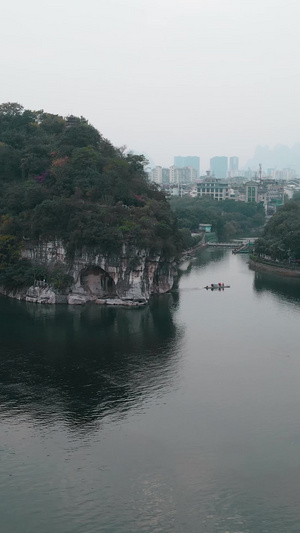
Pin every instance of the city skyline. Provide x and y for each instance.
(188, 161)
(279, 157)
(221, 168)
(224, 87)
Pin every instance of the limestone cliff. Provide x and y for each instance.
(129, 279)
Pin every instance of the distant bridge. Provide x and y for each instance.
(243, 246)
(235, 244)
(225, 244)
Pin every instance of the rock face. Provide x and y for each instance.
(129, 279)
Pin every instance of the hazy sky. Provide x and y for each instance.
(164, 77)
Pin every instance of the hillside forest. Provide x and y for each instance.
(61, 179)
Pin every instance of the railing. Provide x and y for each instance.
(223, 244)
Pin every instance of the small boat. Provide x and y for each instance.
(218, 286)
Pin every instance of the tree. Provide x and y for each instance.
(10, 109)
(61, 178)
(281, 237)
(10, 161)
(79, 136)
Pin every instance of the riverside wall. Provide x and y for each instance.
(268, 266)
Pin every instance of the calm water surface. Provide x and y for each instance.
(180, 417)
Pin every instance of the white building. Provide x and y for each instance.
(284, 174)
(214, 188)
(160, 175)
(184, 175)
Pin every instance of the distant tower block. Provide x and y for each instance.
(218, 166)
(233, 163)
(188, 161)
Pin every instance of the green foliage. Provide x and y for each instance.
(229, 219)
(22, 273)
(59, 279)
(79, 136)
(62, 179)
(9, 250)
(280, 240)
(187, 240)
(10, 163)
(17, 275)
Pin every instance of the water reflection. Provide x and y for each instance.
(202, 258)
(84, 364)
(283, 288)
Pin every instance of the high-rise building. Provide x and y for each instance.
(233, 163)
(188, 161)
(165, 176)
(219, 166)
(182, 175)
(160, 175)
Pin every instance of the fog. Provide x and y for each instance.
(164, 77)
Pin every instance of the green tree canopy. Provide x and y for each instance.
(281, 237)
(229, 219)
(60, 178)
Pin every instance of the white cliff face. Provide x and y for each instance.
(129, 279)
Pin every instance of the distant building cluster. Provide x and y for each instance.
(186, 170)
(190, 161)
(225, 181)
(267, 191)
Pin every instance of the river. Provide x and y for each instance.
(180, 417)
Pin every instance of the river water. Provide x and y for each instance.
(180, 417)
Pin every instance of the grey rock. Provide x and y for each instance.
(128, 279)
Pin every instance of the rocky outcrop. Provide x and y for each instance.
(129, 279)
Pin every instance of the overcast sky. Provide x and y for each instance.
(164, 77)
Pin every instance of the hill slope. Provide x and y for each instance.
(61, 179)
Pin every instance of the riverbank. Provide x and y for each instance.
(191, 251)
(276, 268)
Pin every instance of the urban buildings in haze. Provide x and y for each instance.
(219, 167)
(267, 191)
(214, 188)
(160, 175)
(183, 174)
(233, 164)
(173, 175)
(188, 161)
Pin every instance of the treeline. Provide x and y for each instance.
(229, 219)
(60, 178)
(280, 240)
(69, 181)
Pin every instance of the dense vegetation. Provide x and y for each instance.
(280, 240)
(229, 219)
(60, 178)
